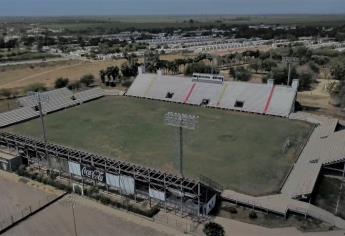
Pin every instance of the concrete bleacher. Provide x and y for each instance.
(59, 99)
(52, 101)
(17, 115)
(89, 95)
(267, 98)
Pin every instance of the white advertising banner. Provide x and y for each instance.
(210, 205)
(74, 168)
(157, 194)
(125, 183)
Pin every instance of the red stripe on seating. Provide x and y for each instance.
(268, 103)
(189, 93)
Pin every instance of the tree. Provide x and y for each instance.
(305, 80)
(341, 93)
(242, 74)
(200, 67)
(7, 93)
(87, 80)
(128, 70)
(74, 85)
(61, 82)
(213, 229)
(232, 72)
(338, 71)
(268, 64)
(37, 87)
(255, 65)
(102, 74)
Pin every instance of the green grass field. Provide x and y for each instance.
(241, 151)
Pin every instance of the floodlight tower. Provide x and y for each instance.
(38, 99)
(181, 121)
(289, 61)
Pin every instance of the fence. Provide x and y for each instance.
(25, 212)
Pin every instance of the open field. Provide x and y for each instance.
(241, 151)
(73, 70)
(21, 76)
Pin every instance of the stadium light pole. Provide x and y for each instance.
(181, 121)
(38, 99)
(289, 61)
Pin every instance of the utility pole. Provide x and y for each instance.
(180, 121)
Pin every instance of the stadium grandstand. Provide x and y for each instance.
(55, 100)
(213, 91)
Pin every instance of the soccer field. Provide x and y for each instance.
(243, 152)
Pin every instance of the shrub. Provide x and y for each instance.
(87, 80)
(242, 74)
(213, 229)
(74, 85)
(21, 170)
(37, 87)
(200, 67)
(232, 210)
(61, 82)
(253, 215)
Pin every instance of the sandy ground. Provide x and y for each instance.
(22, 76)
(73, 70)
(237, 228)
(91, 219)
(16, 196)
(318, 99)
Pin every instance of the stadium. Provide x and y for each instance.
(250, 146)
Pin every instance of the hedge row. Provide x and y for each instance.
(92, 192)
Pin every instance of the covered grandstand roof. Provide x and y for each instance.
(277, 100)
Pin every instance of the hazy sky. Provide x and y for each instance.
(166, 7)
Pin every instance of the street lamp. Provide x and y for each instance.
(181, 121)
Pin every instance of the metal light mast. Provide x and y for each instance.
(181, 121)
(289, 61)
(38, 99)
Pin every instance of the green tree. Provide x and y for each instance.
(61, 82)
(213, 229)
(37, 87)
(242, 74)
(268, 64)
(129, 70)
(7, 93)
(102, 74)
(338, 71)
(305, 80)
(87, 80)
(74, 85)
(255, 65)
(200, 67)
